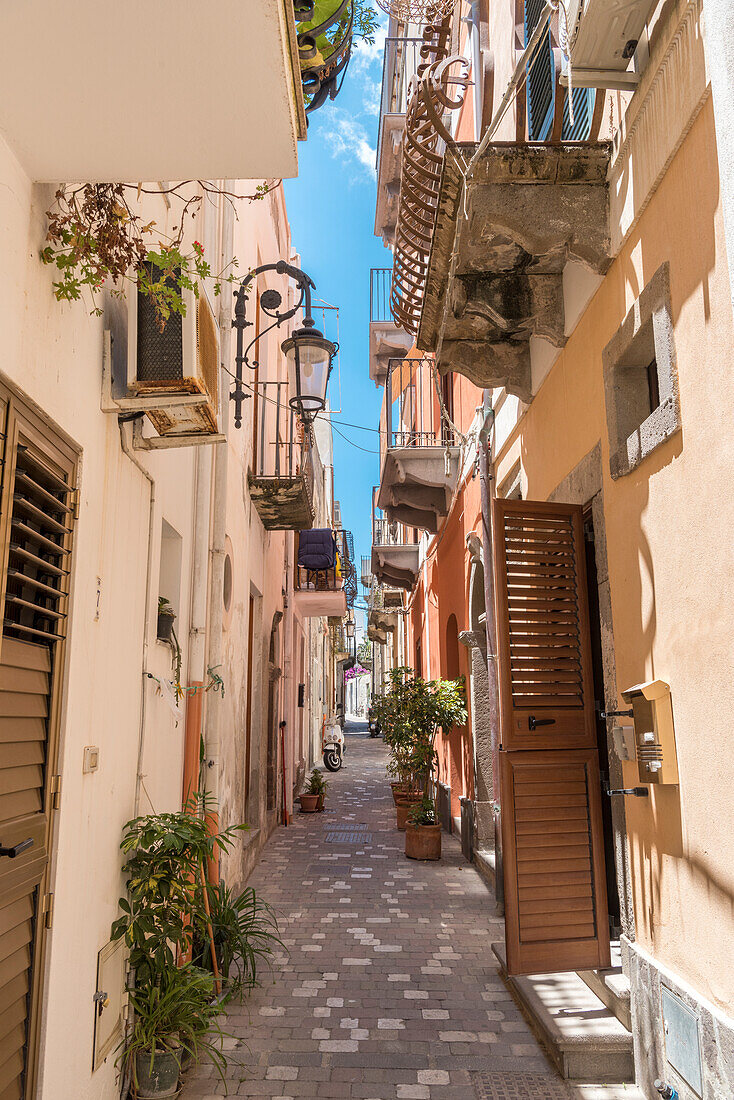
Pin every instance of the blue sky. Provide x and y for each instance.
(331, 208)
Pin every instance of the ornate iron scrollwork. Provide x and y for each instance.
(324, 49)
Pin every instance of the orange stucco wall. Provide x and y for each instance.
(670, 549)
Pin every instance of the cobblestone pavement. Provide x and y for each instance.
(390, 989)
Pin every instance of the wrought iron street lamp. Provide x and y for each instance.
(306, 349)
(350, 628)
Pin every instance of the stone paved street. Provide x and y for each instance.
(390, 989)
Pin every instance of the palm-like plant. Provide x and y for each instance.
(246, 935)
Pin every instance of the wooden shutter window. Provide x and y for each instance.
(39, 551)
(542, 626)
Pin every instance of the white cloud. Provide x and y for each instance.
(371, 93)
(347, 140)
(365, 55)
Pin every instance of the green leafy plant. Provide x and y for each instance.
(97, 237)
(165, 608)
(246, 936)
(410, 714)
(317, 784)
(423, 812)
(166, 854)
(177, 1015)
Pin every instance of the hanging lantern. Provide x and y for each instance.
(309, 356)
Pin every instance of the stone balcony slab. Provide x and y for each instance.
(417, 485)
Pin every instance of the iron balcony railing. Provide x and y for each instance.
(418, 405)
(380, 287)
(400, 64)
(387, 532)
(341, 576)
(366, 571)
(280, 446)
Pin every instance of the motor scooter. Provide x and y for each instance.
(372, 724)
(333, 745)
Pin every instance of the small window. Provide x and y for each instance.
(641, 379)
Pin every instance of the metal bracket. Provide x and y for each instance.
(617, 713)
(166, 442)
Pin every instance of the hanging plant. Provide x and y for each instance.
(96, 236)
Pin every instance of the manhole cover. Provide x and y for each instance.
(518, 1086)
(348, 836)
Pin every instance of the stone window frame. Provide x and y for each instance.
(645, 333)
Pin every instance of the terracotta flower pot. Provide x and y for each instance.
(403, 805)
(423, 841)
(397, 791)
(309, 803)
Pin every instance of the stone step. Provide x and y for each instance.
(584, 1038)
(612, 987)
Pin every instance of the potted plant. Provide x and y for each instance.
(320, 785)
(412, 710)
(174, 1017)
(313, 792)
(166, 619)
(165, 908)
(245, 936)
(423, 831)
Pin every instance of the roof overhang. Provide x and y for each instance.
(495, 276)
(110, 92)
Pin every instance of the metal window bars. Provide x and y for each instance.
(380, 289)
(414, 413)
(401, 62)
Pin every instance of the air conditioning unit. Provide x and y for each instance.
(603, 36)
(178, 364)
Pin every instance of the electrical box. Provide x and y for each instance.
(109, 1000)
(657, 759)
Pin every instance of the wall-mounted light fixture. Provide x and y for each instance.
(307, 349)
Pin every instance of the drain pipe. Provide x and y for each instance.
(486, 481)
(197, 624)
(125, 432)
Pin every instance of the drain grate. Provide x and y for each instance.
(518, 1086)
(348, 836)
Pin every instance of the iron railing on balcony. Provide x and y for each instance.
(387, 532)
(401, 62)
(380, 287)
(281, 447)
(342, 575)
(366, 571)
(418, 407)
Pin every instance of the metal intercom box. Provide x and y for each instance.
(657, 759)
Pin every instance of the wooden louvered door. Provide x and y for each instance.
(552, 837)
(35, 529)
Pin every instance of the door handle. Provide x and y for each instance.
(534, 722)
(17, 849)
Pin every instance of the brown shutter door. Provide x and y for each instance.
(553, 847)
(36, 523)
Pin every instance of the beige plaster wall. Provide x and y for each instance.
(671, 556)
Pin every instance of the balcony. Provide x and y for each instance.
(281, 478)
(401, 62)
(382, 616)
(395, 554)
(420, 467)
(531, 210)
(173, 49)
(387, 341)
(323, 573)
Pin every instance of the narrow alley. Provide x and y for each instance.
(390, 988)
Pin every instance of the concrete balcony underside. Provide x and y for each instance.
(415, 487)
(392, 127)
(134, 92)
(387, 342)
(385, 622)
(313, 603)
(283, 503)
(531, 209)
(397, 566)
